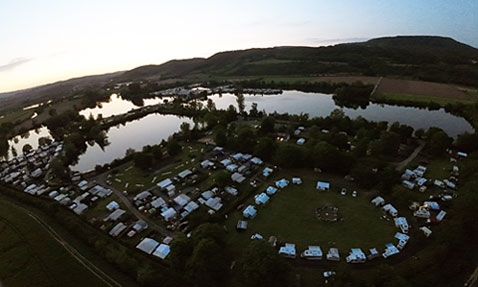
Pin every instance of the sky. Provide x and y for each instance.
(51, 40)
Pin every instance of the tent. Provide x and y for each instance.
(271, 190)
(378, 201)
(147, 245)
(282, 183)
(249, 212)
(261, 198)
(169, 214)
(288, 250)
(162, 251)
(322, 186)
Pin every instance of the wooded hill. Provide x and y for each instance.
(429, 58)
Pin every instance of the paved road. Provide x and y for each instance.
(71, 250)
(101, 179)
(401, 165)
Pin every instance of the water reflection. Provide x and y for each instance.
(150, 130)
(320, 105)
(117, 106)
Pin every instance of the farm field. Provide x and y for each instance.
(31, 257)
(290, 216)
(421, 91)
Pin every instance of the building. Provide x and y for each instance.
(440, 215)
(422, 213)
(388, 208)
(433, 205)
(241, 225)
(185, 173)
(390, 250)
(333, 254)
(402, 240)
(237, 177)
(323, 186)
(271, 190)
(426, 231)
(164, 183)
(117, 229)
(408, 184)
(181, 200)
(214, 203)
(401, 222)
(162, 251)
(267, 172)
(301, 141)
(207, 164)
(147, 245)
(115, 215)
(378, 201)
(158, 203)
(231, 190)
(169, 214)
(356, 255)
(296, 180)
(112, 206)
(312, 253)
(261, 199)
(249, 212)
(282, 183)
(288, 251)
(140, 225)
(373, 254)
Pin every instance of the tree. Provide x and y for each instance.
(208, 265)
(157, 152)
(27, 148)
(265, 148)
(181, 250)
(439, 142)
(254, 112)
(260, 265)
(231, 114)
(211, 106)
(220, 136)
(289, 156)
(186, 129)
(173, 147)
(467, 142)
(222, 178)
(267, 125)
(143, 160)
(240, 103)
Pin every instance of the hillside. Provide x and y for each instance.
(429, 58)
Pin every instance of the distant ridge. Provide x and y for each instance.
(431, 58)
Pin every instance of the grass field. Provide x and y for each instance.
(290, 216)
(31, 257)
(133, 176)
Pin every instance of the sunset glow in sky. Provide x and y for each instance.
(48, 41)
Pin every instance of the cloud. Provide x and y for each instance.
(13, 64)
(324, 41)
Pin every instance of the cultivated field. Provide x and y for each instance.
(407, 89)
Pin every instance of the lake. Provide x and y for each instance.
(117, 106)
(31, 137)
(149, 130)
(320, 105)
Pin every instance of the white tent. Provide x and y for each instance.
(169, 214)
(162, 251)
(147, 245)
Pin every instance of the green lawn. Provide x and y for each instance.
(290, 216)
(31, 257)
(133, 176)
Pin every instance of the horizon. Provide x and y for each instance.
(137, 36)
